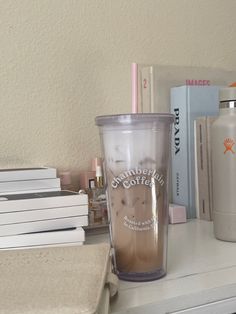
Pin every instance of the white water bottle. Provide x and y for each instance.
(224, 167)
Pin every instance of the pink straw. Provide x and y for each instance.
(134, 82)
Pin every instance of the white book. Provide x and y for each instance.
(202, 169)
(145, 90)
(203, 162)
(42, 214)
(210, 120)
(43, 238)
(19, 202)
(11, 186)
(43, 225)
(45, 246)
(30, 191)
(19, 174)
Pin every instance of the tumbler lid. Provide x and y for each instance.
(126, 119)
(227, 94)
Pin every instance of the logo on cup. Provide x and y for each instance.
(229, 143)
(137, 176)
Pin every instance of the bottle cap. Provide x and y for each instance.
(99, 179)
(98, 171)
(227, 94)
(97, 161)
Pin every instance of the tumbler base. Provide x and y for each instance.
(139, 277)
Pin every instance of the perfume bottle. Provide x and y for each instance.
(66, 181)
(98, 203)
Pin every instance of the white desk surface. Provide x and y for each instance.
(201, 276)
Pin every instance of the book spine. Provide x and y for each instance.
(43, 202)
(43, 225)
(196, 171)
(42, 214)
(152, 89)
(2, 194)
(202, 169)
(28, 185)
(210, 120)
(43, 238)
(180, 178)
(146, 89)
(27, 174)
(45, 246)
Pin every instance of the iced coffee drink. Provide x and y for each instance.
(136, 159)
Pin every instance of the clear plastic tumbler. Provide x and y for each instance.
(136, 150)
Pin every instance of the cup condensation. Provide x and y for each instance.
(136, 150)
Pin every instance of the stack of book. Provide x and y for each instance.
(187, 104)
(28, 180)
(51, 218)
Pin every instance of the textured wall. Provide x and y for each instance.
(62, 62)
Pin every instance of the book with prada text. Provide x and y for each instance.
(188, 103)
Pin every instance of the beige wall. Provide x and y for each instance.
(64, 62)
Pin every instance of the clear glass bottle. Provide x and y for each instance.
(66, 181)
(224, 166)
(97, 200)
